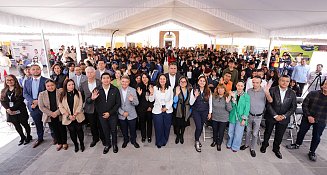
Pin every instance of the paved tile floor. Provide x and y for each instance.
(172, 159)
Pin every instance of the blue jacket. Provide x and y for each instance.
(27, 91)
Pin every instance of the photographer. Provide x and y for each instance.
(315, 78)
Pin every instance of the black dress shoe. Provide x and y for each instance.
(28, 140)
(22, 140)
(76, 148)
(278, 154)
(136, 145)
(312, 156)
(115, 149)
(143, 140)
(93, 143)
(149, 140)
(82, 147)
(243, 147)
(252, 152)
(181, 139)
(218, 147)
(158, 146)
(263, 149)
(177, 140)
(106, 149)
(200, 144)
(213, 144)
(124, 145)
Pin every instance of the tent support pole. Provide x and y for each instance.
(45, 52)
(269, 52)
(78, 49)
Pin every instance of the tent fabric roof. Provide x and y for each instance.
(213, 17)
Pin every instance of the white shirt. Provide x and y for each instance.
(92, 86)
(78, 79)
(101, 72)
(282, 94)
(160, 98)
(5, 61)
(124, 93)
(172, 80)
(249, 84)
(106, 91)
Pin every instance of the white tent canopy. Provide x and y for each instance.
(278, 18)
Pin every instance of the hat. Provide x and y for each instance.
(115, 62)
(207, 70)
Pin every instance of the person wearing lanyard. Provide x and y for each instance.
(13, 101)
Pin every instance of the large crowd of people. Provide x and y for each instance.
(146, 88)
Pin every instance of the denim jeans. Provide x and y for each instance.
(235, 133)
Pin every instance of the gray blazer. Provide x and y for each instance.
(97, 74)
(86, 94)
(83, 78)
(128, 106)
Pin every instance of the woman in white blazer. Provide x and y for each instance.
(162, 95)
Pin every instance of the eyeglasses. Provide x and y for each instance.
(183, 82)
(10, 80)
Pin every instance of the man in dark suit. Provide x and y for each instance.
(101, 69)
(173, 75)
(107, 102)
(173, 80)
(86, 89)
(32, 88)
(278, 114)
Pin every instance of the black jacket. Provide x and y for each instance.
(144, 104)
(287, 108)
(18, 104)
(110, 105)
(178, 75)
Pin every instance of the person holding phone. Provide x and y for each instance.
(107, 102)
(162, 95)
(201, 101)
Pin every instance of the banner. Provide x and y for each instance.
(295, 50)
(27, 49)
